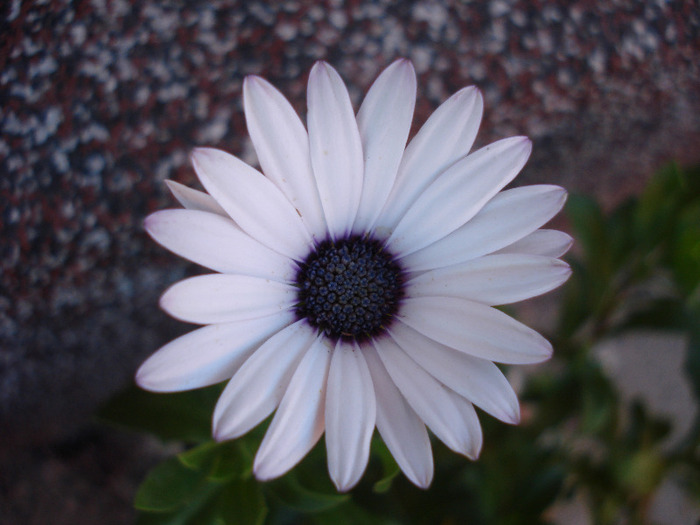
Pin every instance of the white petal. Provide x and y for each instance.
(336, 148)
(282, 146)
(299, 421)
(493, 279)
(217, 243)
(478, 380)
(384, 121)
(509, 216)
(401, 429)
(476, 329)
(206, 356)
(547, 243)
(450, 416)
(446, 136)
(350, 416)
(258, 386)
(194, 199)
(225, 298)
(252, 201)
(459, 193)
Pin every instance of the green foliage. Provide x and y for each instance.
(181, 416)
(635, 267)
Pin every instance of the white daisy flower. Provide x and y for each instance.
(356, 278)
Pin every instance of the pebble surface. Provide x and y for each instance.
(101, 101)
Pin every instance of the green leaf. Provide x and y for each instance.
(289, 492)
(389, 465)
(183, 415)
(233, 462)
(178, 494)
(350, 514)
(685, 257)
(692, 358)
(659, 201)
(661, 314)
(588, 223)
(169, 486)
(579, 301)
(543, 488)
(241, 502)
(220, 461)
(621, 232)
(201, 457)
(201, 510)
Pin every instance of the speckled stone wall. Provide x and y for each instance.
(103, 100)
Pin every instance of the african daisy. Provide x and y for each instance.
(356, 276)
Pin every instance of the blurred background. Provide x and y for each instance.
(102, 100)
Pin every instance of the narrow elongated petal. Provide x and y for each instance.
(401, 429)
(216, 243)
(475, 329)
(546, 243)
(445, 137)
(450, 416)
(493, 279)
(224, 298)
(459, 193)
(299, 421)
(206, 356)
(336, 148)
(282, 146)
(509, 216)
(252, 201)
(384, 121)
(194, 199)
(350, 415)
(258, 386)
(478, 380)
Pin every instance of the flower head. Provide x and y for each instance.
(356, 276)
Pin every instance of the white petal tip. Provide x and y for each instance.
(250, 79)
(474, 453)
(515, 420)
(569, 244)
(469, 96)
(423, 484)
(202, 155)
(512, 417)
(405, 64)
(141, 380)
(145, 381)
(344, 486)
(519, 144)
(543, 353)
(566, 271)
(223, 432)
(197, 153)
(526, 142)
(542, 356)
(165, 302)
(148, 223)
(253, 82)
(220, 437)
(468, 91)
(323, 68)
(153, 223)
(263, 473)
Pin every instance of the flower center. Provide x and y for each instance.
(350, 288)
